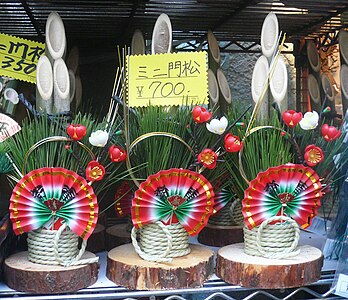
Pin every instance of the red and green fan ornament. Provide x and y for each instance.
(47, 197)
(293, 190)
(172, 196)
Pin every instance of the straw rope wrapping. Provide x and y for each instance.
(235, 212)
(273, 240)
(161, 245)
(57, 247)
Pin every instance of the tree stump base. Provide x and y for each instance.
(126, 268)
(96, 242)
(117, 235)
(23, 275)
(219, 236)
(236, 267)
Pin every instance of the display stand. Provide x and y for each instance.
(23, 275)
(96, 242)
(219, 236)
(265, 273)
(126, 268)
(117, 235)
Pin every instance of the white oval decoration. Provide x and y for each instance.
(279, 81)
(260, 76)
(162, 35)
(269, 35)
(44, 78)
(55, 36)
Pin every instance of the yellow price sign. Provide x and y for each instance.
(167, 79)
(19, 57)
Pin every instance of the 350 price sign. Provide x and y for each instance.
(18, 57)
(167, 79)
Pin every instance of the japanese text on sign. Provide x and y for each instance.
(167, 79)
(18, 57)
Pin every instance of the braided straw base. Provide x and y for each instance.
(277, 240)
(56, 247)
(158, 242)
(229, 215)
(41, 246)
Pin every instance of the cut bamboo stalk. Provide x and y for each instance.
(78, 91)
(225, 97)
(72, 62)
(61, 87)
(72, 85)
(55, 37)
(269, 35)
(214, 57)
(162, 35)
(343, 43)
(279, 84)
(258, 81)
(313, 56)
(344, 85)
(138, 43)
(10, 101)
(44, 85)
(213, 88)
(328, 90)
(314, 92)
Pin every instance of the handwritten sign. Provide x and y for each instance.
(167, 79)
(18, 57)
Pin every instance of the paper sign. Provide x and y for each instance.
(18, 57)
(342, 286)
(167, 79)
(8, 127)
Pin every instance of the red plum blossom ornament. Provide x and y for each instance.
(208, 158)
(95, 171)
(232, 143)
(76, 131)
(330, 133)
(200, 114)
(291, 118)
(313, 155)
(117, 154)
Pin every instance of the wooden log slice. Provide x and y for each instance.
(126, 268)
(219, 236)
(23, 275)
(117, 235)
(236, 267)
(96, 241)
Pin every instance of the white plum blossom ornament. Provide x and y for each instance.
(217, 126)
(99, 138)
(310, 120)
